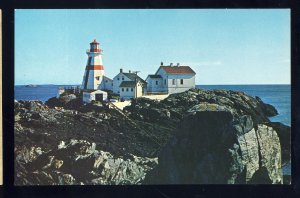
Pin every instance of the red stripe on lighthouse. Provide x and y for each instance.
(95, 67)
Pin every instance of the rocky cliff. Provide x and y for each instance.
(195, 137)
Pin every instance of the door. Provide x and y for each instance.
(99, 97)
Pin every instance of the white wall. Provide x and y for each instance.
(116, 82)
(131, 94)
(89, 97)
(188, 82)
(164, 76)
(93, 81)
(106, 84)
(127, 94)
(139, 90)
(96, 59)
(151, 85)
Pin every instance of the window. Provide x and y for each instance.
(97, 77)
(181, 81)
(126, 89)
(156, 82)
(106, 81)
(131, 89)
(165, 81)
(122, 89)
(173, 81)
(118, 78)
(112, 84)
(122, 78)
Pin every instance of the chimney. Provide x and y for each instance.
(171, 64)
(178, 64)
(161, 63)
(129, 71)
(121, 70)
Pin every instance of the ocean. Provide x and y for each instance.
(40, 92)
(277, 95)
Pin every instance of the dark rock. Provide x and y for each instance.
(287, 179)
(213, 147)
(200, 137)
(284, 134)
(69, 101)
(195, 153)
(36, 116)
(54, 102)
(268, 109)
(79, 162)
(261, 177)
(243, 125)
(74, 104)
(67, 98)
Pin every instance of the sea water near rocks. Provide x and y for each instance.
(40, 92)
(277, 95)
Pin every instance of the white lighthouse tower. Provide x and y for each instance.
(94, 71)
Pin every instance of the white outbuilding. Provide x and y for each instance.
(123, 77)
(131, 89)
(94, 95)
(106, 84)
(154, 84)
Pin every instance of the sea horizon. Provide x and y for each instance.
(196, 84)
(278, 95)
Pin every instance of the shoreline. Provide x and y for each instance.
(148, 128)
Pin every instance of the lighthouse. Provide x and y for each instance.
(94, 71)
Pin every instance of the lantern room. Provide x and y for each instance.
(94, 46)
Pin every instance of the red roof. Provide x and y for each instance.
(94, 41)
(178, 69)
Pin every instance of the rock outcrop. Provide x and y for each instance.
(210, 147)
(78, 162)
(195, 137)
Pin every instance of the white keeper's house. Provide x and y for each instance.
(127, 77)
(131, 89)
(171, 79)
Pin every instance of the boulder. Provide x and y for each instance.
(67, 98)
(74, 104)
(261, 176)
(268, 109)
(79, 162)
(212, 147)
(54, 102)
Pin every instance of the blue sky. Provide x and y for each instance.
(223, 46)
